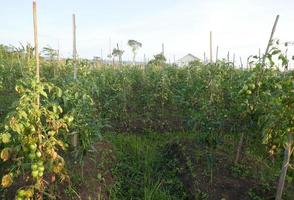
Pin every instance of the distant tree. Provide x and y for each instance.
(135, 45)
(52, 55)
(158, 59)
(118, 53)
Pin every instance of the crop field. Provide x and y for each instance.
(204, 131)
(82, 129)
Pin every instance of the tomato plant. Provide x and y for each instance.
(31, 140)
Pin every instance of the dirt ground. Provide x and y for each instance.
(203, 180)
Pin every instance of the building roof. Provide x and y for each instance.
(189, 56)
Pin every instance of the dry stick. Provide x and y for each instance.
(210, 46)
(233, 60)
(270, 39)
(162, 48)
(239, 148)
(74, 141)
(286, 162)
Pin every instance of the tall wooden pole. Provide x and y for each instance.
(74, 140)
(162, 50)
(228, 57)
(270, 39)
(210, 46)
(216, 54)
(35, 21)
(259, 55)
(204, 57)
(241, 62)
(74, 47)
(101, 54)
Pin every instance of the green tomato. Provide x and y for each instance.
(40, 163)
(249, 92)
(34, 167)
(33, 147)
(41, 169)
(35, 173)
(38, 154)
(21, 193)
(32, 129)
(32, 156)
(40, 174)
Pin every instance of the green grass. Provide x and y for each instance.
(138, 172)
(142, 172)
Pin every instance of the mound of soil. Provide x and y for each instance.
(207, 174)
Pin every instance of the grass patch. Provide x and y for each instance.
(139, 173)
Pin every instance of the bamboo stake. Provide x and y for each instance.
(216, 54)
(74, 141)
(35, 21)
(74, 47)
(228, 56)
(259, 55)
(204, 58)
(270, 39)
(210, 46)
(241, 62)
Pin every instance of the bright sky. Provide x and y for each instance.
(238, 26)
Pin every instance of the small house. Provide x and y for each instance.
(186, 60)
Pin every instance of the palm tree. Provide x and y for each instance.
(118, 53)
(135, 45)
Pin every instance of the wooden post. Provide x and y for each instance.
(101, 52)
(228, 57)
(216, 54)
(270, 39)
(241, 62)
(35, 21)
(204, 58)
(162, 49)
(36, 40)
(74, 47)
(210, 47)
(233, 60)
(74, 138)
(259, 55)
(286, 162)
